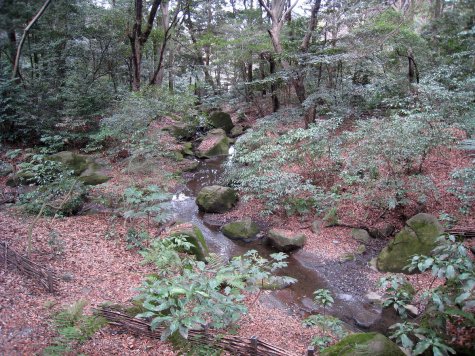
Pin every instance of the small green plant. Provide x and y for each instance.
(463, 187)
(63, 197)
(449, 302)
(150, 203)
(331, 217)
(324, 298)
(398, 293)
(73, 328)
(298, 206)
(41, 170)
(53, 144)
(330, 325)
(136, 238)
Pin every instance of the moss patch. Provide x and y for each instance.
(373, 344)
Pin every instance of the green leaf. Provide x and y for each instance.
(406, 342)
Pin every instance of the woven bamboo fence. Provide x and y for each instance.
(234, 345)
(42, 275)
(465, 232)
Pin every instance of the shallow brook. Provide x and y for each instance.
(344, 280)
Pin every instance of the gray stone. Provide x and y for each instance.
(94, 175)
(221, 120)
(236, 131)
(382, 232)
(286, 240)
(361, 235)
(194, 236)
(316, 226)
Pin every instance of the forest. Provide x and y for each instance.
(237, 177)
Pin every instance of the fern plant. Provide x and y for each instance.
(150, 202)
(73, 328)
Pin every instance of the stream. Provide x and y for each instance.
(344, 280)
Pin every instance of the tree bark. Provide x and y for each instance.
(138, 38)
(16, 69)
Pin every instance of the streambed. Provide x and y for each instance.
(346, 281)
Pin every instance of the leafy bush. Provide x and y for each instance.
(263, 162)
(190, 294)
(386, 168)
(134, 113)
(64, 197)
(452, 301)
(463, 187)
(328, 323)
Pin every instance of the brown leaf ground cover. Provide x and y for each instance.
(99, 269)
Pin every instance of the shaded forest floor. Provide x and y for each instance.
(90, 256)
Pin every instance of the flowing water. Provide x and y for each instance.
(311, 273)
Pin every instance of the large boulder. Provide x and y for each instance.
(286, 240)
(216, 199)
(93, 175)
(418, 237)
(221, 120)
(193, 235)
(75, 162)
(21, 178)
(215, 143)
(241, 230)
(373, 344)
(181, 130)
(89, 171)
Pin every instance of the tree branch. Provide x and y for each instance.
(16, 70)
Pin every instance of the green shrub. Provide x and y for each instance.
(191, 293)
(64, 197)
(452, 301)
(74, 328)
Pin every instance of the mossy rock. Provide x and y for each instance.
(194, 236)
(178, 156)
(221, 120)
(373, 344)
(361, 235)
(189, 165)
(187, 149)
(418, 237)
(286, 240)
(236, 131)
(216, 199)
(241, 230)
(273, 283)
(21, 178)
(215, 143)
(75, 162)
(93, 175)
(5, 169)
(181, 130)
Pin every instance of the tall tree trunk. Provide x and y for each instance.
(138, 38)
